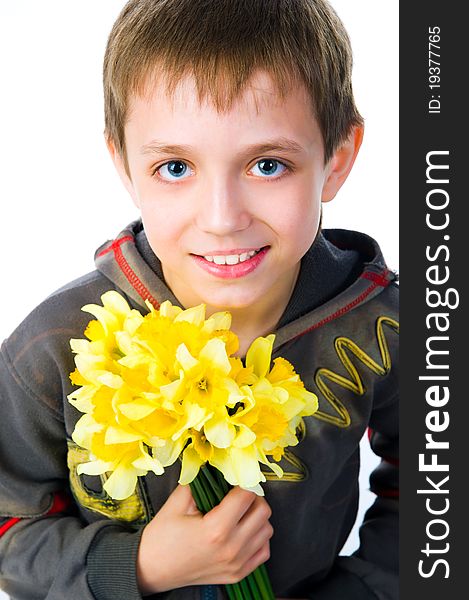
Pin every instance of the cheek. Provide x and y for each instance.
(162, 230)
(298, 221)
(301, 230)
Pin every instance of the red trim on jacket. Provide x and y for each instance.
(6, 526)
(115, 244)
(378, 281)
(379, 278)
(129, 273)
(59, 504)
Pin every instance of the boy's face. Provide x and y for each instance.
(230, 201)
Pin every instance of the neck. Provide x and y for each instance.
(259, 319)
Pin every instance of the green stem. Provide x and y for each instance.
(211, 494)
(263, 570)
(225, 486)
(239, 593)
(263, 583)
(208, 489)
(200, 496)
(255, 592)
(245, 590)
(230, 592)
(213, 483)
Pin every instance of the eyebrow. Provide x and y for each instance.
(281, 144)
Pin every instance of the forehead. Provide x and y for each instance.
(260, 112)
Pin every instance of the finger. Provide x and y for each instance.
(257, 513)
(233, 507)
(181, 501)
(251, 542)
(258, 558)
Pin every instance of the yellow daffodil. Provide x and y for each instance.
(166, 385)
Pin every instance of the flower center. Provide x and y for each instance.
(202, 384)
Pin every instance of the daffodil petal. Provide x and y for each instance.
(115, 435)
(114, 302)
(196, 416)
(257, 489)
(219, 432)
(172, 391)
(311, 404)
(185, 358)
(245, 437)
(137, 410)
(80, 345)
(132, 322)
(82, 398)
(221, 460)
(111, 380)
(170, 451)
(107, 319)
(217, 322)
(168, 310)
(148, 463)
(195, 315)
(246, 466)
(277, 469)
(191, 463)
(95, 467)
(280, 394)
(259, 355)
(214, 352)
(121, 483)
(89, 365)
(84, 430)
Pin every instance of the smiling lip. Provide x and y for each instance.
(231, 271)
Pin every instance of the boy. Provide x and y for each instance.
(229, 123)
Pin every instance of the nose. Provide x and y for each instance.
(221, 208)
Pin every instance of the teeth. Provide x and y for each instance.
(231, 259)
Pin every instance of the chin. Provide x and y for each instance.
(231, 302)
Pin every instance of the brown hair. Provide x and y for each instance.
(222, 43)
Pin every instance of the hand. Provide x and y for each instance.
(180, 546)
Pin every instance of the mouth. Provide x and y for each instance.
(233, 258)
(233, 263)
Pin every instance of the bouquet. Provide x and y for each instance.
(166, 385)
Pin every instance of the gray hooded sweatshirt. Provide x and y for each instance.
(63, 538)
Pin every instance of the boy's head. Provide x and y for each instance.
(229, 122)
(221, 43)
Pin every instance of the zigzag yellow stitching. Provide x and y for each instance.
(298, 475)
(355, 384)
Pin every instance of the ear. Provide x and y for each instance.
(122, 170)
(341, 164)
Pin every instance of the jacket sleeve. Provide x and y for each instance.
(45, 548)
(371, 573)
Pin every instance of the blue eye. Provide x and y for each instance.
(268, 167)
(174, 169)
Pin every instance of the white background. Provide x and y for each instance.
(59, 195)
